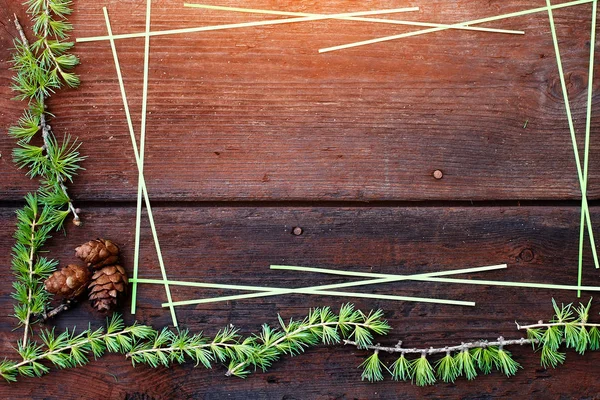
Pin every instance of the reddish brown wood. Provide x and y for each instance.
(257, 114)
(236, 244)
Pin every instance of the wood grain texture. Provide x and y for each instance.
(258, 114)
(215, 244)
(244, 122)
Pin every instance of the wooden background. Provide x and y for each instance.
(251, 133)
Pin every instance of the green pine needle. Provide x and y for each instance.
(423, 374)
(594, 338)
(506, 364)
(486, 358)
(447, 370)
(465, 364)
(551, 357)
(401, 369)
(372, 368)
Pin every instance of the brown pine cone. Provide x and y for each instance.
(108, 286)
(69, 282)
(98, 253)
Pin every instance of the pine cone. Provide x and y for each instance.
(98, 253)
(108, 286)
(70, 282)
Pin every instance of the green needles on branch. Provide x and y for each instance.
(41, 68)
(34, 224)
(259, 351)
(142, 344)
(70, 349)
(568, 327)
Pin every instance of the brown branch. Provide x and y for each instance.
(540, 324)
(21, 32)
(57, 310)
(500, 342)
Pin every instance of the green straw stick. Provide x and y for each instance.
(317, 288)
(138, 214)
(359, 19)
(241, 25)
(442, 280)
(389, 276)
(322, 293)
(330, 286)
(475, 21)
(582, 184)
(138, 163)
(586, 153)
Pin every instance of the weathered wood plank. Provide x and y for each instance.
(236, 244)
(258, 114)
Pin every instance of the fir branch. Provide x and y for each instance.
(42, 67)
(69, 349)
(321, 325)
(568, 327)
(168, 347)
(40, 70)
(34, 224)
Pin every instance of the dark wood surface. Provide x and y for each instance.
(252, 133)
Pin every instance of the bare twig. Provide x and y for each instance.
(57, 310)
(540, 324)
(500, 342)
(21, 32)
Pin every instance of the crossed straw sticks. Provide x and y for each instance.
(301, 17)
(377, 278)
(362, 16)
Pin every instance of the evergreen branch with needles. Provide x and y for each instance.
(568, 327)
(70, 349)
(241, 355)
(34, 224)
(40, 69)
(261, 350)
(144, 345)
(320, 326)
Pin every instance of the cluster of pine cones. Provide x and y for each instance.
(103, 279)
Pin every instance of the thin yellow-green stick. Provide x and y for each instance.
(582, 184)
(330, 286)
(532, 285)
(241, 25)
(314, 289)
(138, 214)
(588, 121)
(138, 163)
(431, 30)
(323, 293)
(359, 19)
